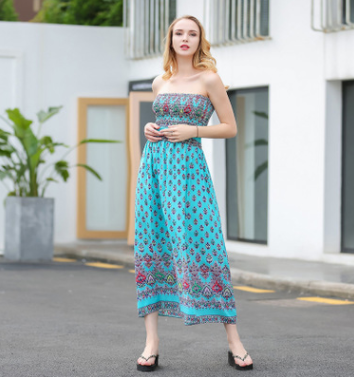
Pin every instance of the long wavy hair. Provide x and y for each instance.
(202, 58)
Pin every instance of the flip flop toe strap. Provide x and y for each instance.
(239, 357)
(146, 359)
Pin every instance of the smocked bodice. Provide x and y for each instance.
(178, 108)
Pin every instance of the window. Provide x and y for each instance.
(332, 15)
(102, 206)
(348, 12)
(247, 167)
(146, 23)
(347, 168)
(238, 21)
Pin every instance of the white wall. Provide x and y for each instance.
(52, 65)
(296, 65)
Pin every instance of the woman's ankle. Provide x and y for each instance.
(234, 342)
(152, 339)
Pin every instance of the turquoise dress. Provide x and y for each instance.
(181, 265)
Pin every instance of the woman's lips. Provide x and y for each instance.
(184, 47)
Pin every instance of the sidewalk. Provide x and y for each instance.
(317, 278)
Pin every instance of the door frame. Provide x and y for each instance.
(81, 230)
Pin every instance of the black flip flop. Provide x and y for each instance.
(233, 364)
(148, 368)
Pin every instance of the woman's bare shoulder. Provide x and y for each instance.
(157, 83)
(210, 77)
(210, 80)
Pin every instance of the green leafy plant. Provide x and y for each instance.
(82, 12)
(22, 155)
(7, 11)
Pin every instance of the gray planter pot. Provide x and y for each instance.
(29, 229)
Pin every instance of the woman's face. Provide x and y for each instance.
(185, 37)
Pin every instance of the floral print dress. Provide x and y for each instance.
(181, 264)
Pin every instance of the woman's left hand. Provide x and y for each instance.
(179, 132)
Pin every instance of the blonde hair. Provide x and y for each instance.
(202, 58)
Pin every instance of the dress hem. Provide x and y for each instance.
(189, 319)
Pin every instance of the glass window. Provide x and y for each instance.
(347, 168)
(172, 10)
(348, 11)
(242, 17)
(265, 17)
(147, 22)
(247, 167)
(106, 200)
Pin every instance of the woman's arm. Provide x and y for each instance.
(220, 100)
(151, 130)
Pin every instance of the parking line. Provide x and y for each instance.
(132, 271)
(324, 300)
(58, 259)
(103, 265)
(251, 289)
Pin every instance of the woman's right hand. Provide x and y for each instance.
(151, 132)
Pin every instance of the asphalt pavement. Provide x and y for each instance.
(79, 318)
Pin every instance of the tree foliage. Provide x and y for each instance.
(82, 12)
(7, 11)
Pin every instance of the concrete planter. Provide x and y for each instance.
(29, 229)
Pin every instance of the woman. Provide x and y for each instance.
(181, 264)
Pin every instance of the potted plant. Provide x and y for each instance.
(29, 225)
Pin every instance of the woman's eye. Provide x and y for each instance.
(193, 35)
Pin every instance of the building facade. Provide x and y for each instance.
(285, 183)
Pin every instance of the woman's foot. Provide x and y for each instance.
(237, 349)
(151, 348)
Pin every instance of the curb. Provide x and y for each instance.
(317, 287)
(104, 256)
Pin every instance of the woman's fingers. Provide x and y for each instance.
(152, 128)
(151, 133)
(148, 134)
(152, 138)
